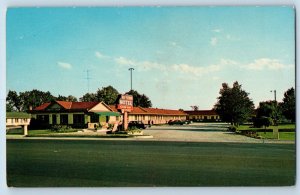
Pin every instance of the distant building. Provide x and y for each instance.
(17, 119)
(202, 115)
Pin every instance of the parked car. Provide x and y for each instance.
(176, 122)
(137, 124)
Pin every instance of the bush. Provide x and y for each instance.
(262, 121)
(61, 128)
(232, 128)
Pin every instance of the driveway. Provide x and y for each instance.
(201, 132)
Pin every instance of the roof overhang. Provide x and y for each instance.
(107, 113)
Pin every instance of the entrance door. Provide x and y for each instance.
(54, 119)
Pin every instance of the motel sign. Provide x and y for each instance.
(126, 103)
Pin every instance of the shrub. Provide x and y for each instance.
(232, 128)
(61, 128)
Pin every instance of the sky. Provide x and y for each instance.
(180, 55)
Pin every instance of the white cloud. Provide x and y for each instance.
(194, 70)
(64, 65)
(173, 43)
(266, 64)
(214, 41)
(217, 30)
(100, 55)
(140, 65)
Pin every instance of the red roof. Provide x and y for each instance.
(83, 105)
(42, 107)
(69, 105)
(201, 112)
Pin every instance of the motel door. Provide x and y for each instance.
(54, 119)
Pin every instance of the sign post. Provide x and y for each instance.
(125, 105)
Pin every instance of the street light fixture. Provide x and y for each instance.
(131, 69)
(274, 94)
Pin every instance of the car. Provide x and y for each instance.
(176, 122)
(136, 124)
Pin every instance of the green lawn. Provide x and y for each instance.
(49, 163)
(19, 131)
(282, 135)
(281, 126)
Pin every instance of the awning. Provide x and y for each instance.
(108, 113)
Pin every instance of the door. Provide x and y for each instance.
(54, 122)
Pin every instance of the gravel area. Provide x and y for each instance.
(202, 132)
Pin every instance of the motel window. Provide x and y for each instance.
(94, 118)
(78, 118)
(135, 117)
(64, 119)
(16, 120)
(212, 117)
(117, 118)
(43, 118)
(205, 117)
(143, 117)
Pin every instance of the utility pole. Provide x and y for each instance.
(274, 94)
(131, 69)
(275, 119)
(88, 79)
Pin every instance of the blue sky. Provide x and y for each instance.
(181, 55)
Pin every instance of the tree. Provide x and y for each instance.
(288, 106)
(70, 98)
(13, 101)
(88, 97)
(268, 109)
(233, 104)
(140, 100)
(107, 94)
(195, 108)
(34, 98)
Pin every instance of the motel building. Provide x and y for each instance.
(153, 115)
(74, 114)
(202, 115)
(87, 114)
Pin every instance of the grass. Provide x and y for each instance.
(19, 131)
(49, 163)
(287, 131)
(280, 127)
(289, 136)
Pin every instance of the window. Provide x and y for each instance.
(43, 118)
(94, 118)
(64, 119)
(78, 118)
(212, 117)
(16, 120)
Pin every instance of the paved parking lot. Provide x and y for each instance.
(200, 132)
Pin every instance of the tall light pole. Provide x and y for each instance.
(131, 69)
(274, 94)
(275, 119)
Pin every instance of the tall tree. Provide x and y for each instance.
(140, 99)
(288, 106)
(13, 101)
(233, 104)
(88, 97)
(35, 98)
(70, 98)
(107, 94)
(267, 109)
